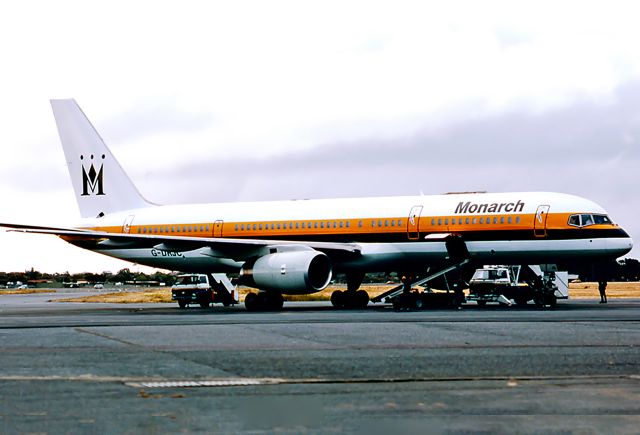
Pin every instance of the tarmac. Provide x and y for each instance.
(153, 368)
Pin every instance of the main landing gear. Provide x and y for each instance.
(264, 301)
(352, 298)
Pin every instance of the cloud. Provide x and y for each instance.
(556, 149)
(149, 118)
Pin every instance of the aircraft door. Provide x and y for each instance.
(217, 228)
(126, 227)
(413, 223)
(540, 221)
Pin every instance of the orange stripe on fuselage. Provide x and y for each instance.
(427, 224)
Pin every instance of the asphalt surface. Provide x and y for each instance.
(153, 368)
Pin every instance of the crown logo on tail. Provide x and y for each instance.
(92, 181)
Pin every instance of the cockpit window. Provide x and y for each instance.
(574, 220)
(584, 220)
(600, 219)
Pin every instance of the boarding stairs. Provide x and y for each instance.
(390, 294)
(225, 287)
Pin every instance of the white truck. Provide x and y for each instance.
(544, 285)
(204, 290)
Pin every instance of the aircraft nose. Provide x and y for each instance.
(621, 245)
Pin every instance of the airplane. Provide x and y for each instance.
(295, 247)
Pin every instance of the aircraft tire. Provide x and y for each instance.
(338, 299)
(252, 302)
(274, 301)
(182, 304)
(481, 303)
(204, 304)
(361, 299)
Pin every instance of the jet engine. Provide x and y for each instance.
(293, 272)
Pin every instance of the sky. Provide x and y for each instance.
(250, 100)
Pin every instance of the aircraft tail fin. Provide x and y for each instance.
(100, 184)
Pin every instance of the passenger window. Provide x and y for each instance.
(139, 230)
(466, 221)
(386, 223)
(393, 223)
(321, 224)
(207, 228)
(517, 219)
(502, 219)
(433, 221)
(341, 224)
(380, 222)
(161, 230)
(255, 226)
(144, 230)
(446, 221)
(236, 228)
(439, 221)
(373, 223)
(509, 219)
(481, 220)
(315, 225)
(155, 230)
(473, 220)
(495, 220)
(347, 224)
(359, 224)
(399, 222)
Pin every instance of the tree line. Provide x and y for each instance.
(627, 269)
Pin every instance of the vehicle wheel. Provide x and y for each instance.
(252, 302)
(361, 299)
(204, 304)
(182, 304)
(539, 301)
(521, 302)
(418, 303)
(337, 299)
(552, 301)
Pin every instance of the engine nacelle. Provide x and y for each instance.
(294, 272)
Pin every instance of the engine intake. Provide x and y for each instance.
(295, 272)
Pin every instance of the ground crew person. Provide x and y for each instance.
(602, 288)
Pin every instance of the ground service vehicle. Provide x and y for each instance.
(204, 290)
(544, 285)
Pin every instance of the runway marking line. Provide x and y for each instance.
(239, 382)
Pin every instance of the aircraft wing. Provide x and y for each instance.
(237, 249)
